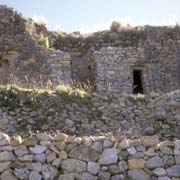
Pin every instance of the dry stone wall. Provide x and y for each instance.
(23, 111)
(152, 50)
(106, 59)
(22, 57)
(115, 66)
(63, 157)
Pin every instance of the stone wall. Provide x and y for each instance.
(23, 111)
(22, 57)
(106, 59)
(63, 157)
(158, 65)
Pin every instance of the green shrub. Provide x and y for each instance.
(9, 97)
(115, 26)
(69, 95)
(42, 40)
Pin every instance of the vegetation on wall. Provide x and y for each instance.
(43, 40)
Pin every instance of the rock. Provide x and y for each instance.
(166, 144)
(124, 155)
(124, 144)
(149, 131)
(21, 150)
(131, 150)
(85, 176)
(73, 166)
(34, 166)
(45, 143)
(37, 149)
(84, 153)
(150, 152)
(43, 137)
(118, 177)
(26, 158)
(51, 157)
(114, 169)
(108, 156)
(107, 144)
(149, 141)
(4, 139)
(60, 137)
(174, 171)
(69, 123)
(7, 175)
(61, 145)
(6, 156)
(166, 150)
(22, 173)
(70, 176)
(30, 141)
(122, 166)
(93, 167)
(15, 140)
(177, 159)
(49, 172)
(177, 144)
(40, 157)
(104, 175)
(97, 146)
(138, 174)
(34, 175)
(164, 178)
(57, 162)
(136, 163)
(159, 172)
(154, 162)
(4, 166)
(63, 155)
(168, 160)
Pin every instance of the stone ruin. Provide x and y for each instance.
(111, 135)
(137, 60)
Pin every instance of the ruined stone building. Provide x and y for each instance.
(142, 59)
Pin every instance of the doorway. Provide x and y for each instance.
(137, 82)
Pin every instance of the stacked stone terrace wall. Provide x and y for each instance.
(63, 157)
(25, 111)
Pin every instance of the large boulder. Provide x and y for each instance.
(34, 175)
(6, 156)
(93, 167)
(38, 149)
(174, 171)
(154, 162)
(84, 153)
(4, 166)
(7, 175)
(86, 176)
(49, 172)
(136, 163)
(73, 166)
(138, 174)
(108, 156)
(149, 141)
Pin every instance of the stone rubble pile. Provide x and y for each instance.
(63, 157)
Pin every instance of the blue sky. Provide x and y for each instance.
(92, 15)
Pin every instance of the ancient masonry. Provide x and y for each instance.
(137, 60)
(110, 134)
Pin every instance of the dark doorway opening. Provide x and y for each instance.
(137, 82)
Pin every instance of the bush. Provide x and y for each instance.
(42, 40)
(115, 26)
